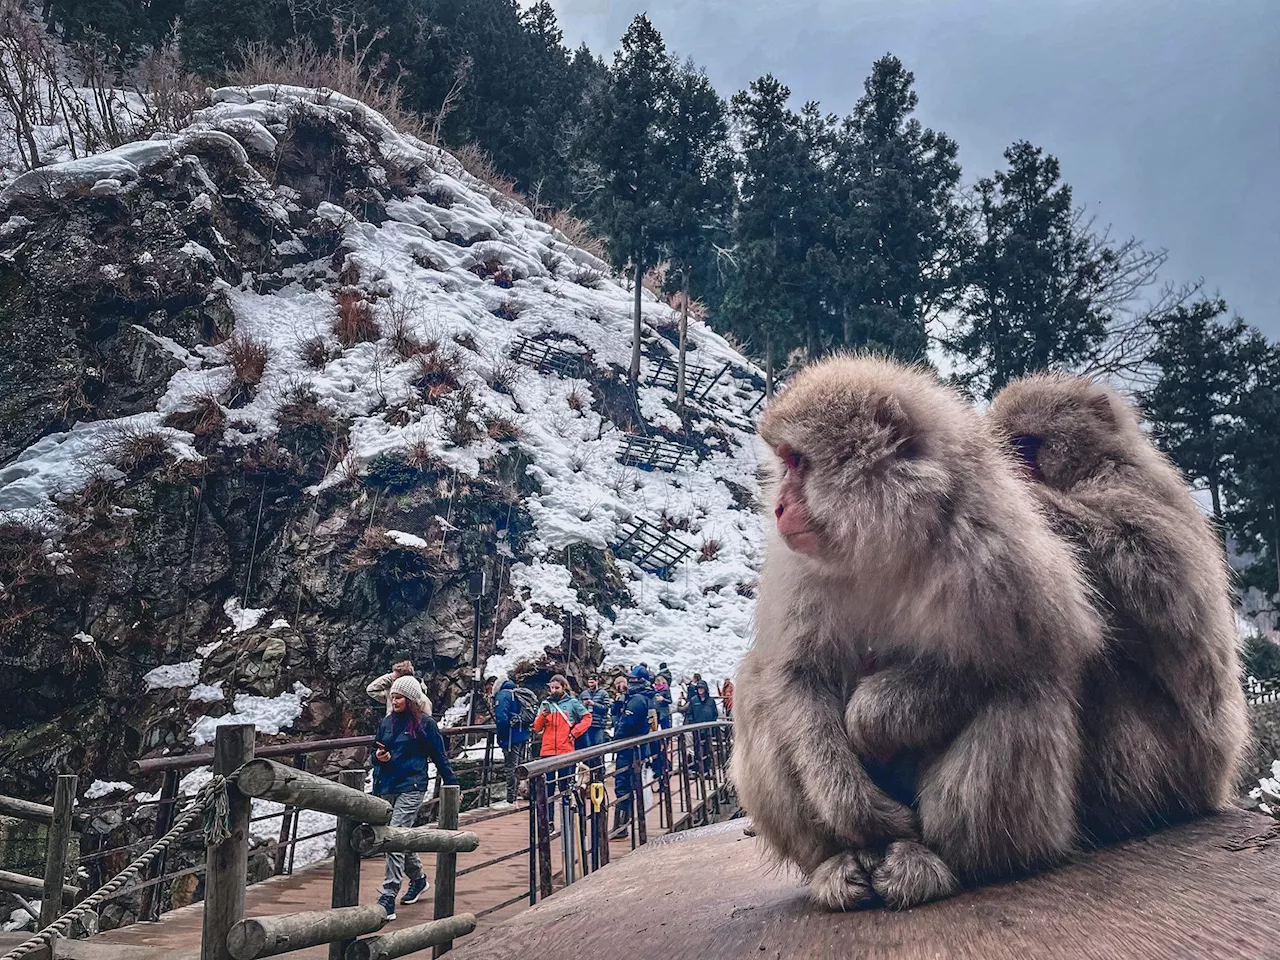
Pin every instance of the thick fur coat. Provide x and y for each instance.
(943, 621)
(1164, 714)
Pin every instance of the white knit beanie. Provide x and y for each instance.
(411, 689)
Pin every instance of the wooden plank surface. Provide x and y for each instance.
(1208, 890)
(178, 931)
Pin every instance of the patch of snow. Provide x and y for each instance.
(279, 623)
(309, 822)
(207, 648)
(207, 692)
(83, 637)
(268, 714)
(407, 539)
(101, 788)
(171, 675)
(243, 618)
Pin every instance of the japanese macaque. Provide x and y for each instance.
(913, 606)
(1163, 711)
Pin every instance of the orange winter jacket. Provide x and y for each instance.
(561, 722)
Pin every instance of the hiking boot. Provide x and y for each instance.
(416, 888)
(388, 903)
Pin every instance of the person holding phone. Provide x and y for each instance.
(561, 720)
(407, 738)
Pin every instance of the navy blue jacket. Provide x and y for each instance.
(506, 708)
(701, 710)
(406, 771)
(632, 718)
(662, 701)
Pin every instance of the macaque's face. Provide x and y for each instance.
(1060, 430)
(795, 524)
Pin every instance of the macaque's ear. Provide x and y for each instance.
(888, 412)
(1103, 407)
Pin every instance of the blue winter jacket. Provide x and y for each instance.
(662, 701)
(598, 703)
(406, 771)
(632, 719)
(701, 708)
(506, 709)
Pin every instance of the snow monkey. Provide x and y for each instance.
(912, 603)
(1163, 713)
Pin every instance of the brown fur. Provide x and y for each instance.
(944, 620)
(1164, 712)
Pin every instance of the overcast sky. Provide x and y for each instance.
(1165, 114)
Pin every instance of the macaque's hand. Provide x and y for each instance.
(869, 720)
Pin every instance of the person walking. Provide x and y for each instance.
(380, 689)
(597, 701)
(665, 672)
(407, 738)
(561, 720)
(513, 733)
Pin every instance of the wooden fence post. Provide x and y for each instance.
(446, 864)
(153, 896)
(227, 863)
(346, 863)
(55, 861)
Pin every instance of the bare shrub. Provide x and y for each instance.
(248, 358)
(205, 418)
(586, 277)
(578, 232)
(135, 449)
(400, 315)
(576, 400)
(710, 549)
(376, 551)
(170, 95)
(437, 373)
(502, 374)
(344, 68)
(461, 410)
(355, 322)
(480, 165)
(655, 277)
(315, 352)
(503, 429)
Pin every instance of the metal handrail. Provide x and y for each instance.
(543, 765)
(189, 761)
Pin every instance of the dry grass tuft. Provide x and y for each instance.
(438, 374)
(578, 232)
(355, 322)
(710, 549)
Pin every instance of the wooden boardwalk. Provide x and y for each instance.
(178, 931)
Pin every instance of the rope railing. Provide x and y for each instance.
(210, 801)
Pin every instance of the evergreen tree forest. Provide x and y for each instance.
(794, 230)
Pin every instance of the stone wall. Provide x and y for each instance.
(1264, 721)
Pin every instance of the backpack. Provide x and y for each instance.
(528, 704)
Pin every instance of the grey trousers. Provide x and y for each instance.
(512, 757)
(404, 810)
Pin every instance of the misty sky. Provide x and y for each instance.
(1164, 113)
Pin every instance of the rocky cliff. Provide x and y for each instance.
(275, 386)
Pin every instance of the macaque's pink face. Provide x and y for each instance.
(795, 524)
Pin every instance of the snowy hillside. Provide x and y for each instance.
(426, 315)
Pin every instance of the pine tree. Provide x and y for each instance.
(898, 225)
(699, 166)
(770, 142)
(1034, 277)
(1189, 406)
(1253, 486)
(626, 142)
(213, 32)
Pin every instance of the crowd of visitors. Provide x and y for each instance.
(564, 721)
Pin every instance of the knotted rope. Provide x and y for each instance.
(210, 801)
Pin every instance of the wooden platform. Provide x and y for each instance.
(177, 933)
(1207, 890)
